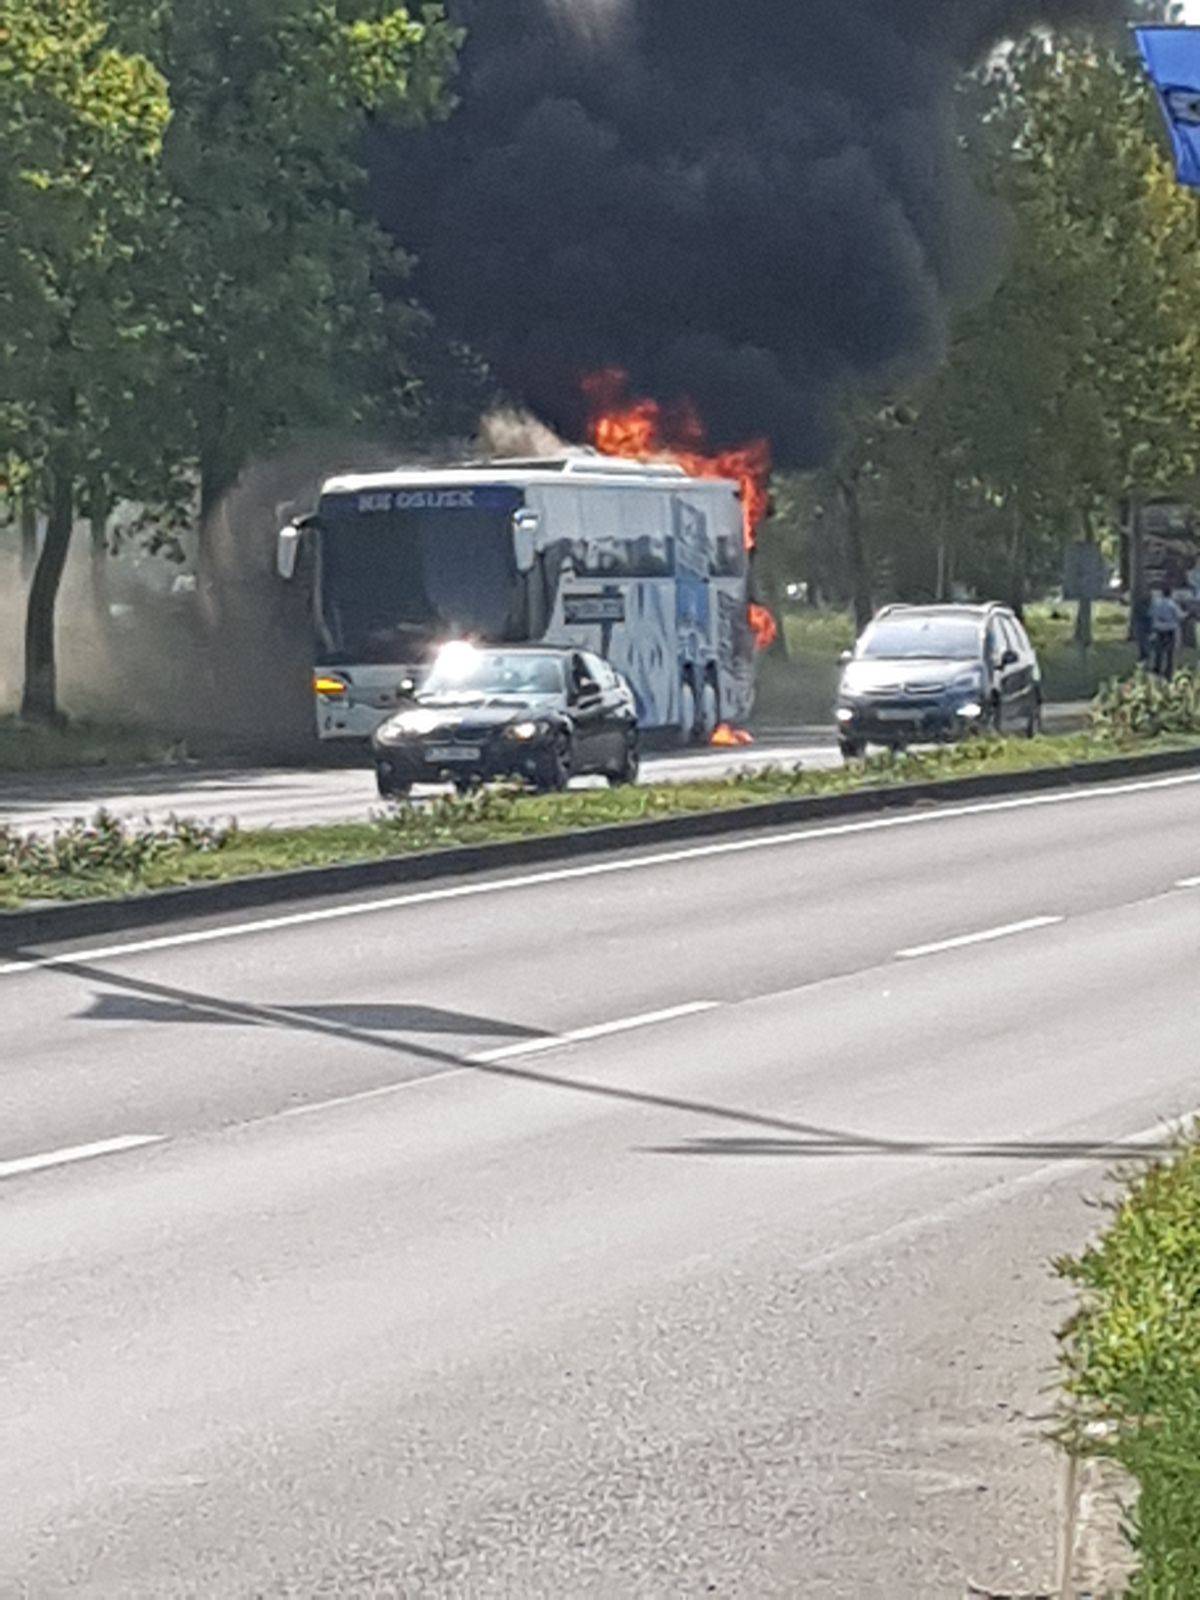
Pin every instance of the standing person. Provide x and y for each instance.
(1165, 619)
(1141, 628)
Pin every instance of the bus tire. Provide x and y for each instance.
(709, 718)
(687, 712)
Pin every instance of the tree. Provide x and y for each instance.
(82, 129)
(276, 271)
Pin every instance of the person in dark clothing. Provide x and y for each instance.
(1165, 620)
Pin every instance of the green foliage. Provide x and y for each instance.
(81, 126)
(1131, 1360)
(1071, 384)
(1145, 707)
(84, 852)
(273, 269)
(114, 863)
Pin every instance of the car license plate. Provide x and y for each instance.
(453, 752)
(897, 716)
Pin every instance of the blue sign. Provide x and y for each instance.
(1172, 57)
(373, 502)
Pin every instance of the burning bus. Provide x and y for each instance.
(639, 561)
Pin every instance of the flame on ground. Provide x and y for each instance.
(644, 430)
(726, 736)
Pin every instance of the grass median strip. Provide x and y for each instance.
(107, 858)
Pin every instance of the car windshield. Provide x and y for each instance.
(494, 672)
(917, 638)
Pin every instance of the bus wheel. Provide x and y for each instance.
(710, 711)
(687, 712)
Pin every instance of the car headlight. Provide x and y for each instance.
(971, 710)
(523, 732)
(408, 725)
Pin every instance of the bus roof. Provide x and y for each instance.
(584, 467)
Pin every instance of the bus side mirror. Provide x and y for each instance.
(288, 551)
(525, 526)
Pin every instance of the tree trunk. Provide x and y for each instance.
(29, 537)
(39, 703)
(860, 573)
(1016, 595)
(1083, 624)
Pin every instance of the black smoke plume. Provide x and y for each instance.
(756, 204)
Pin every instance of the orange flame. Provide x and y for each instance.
(643, 430)
(763, 626)
(726, 736)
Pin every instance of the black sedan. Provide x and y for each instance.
(535, 713)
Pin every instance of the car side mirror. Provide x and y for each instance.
(288, 551)
(525, 526)
(1009, 658)
(586, 690)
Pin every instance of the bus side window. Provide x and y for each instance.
(728, 555)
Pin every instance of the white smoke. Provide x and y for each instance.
(511, 432)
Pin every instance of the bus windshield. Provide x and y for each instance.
(392, 581)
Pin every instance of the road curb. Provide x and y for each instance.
(45, 924)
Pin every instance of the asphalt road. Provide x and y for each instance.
(287, 797)
(665, 1225)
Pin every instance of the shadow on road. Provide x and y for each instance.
(352, 1019)
(146, 1000)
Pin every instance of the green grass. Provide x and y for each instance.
(1131, 1360)
(80, 744)
(107, 858)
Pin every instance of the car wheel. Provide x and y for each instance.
(687, 712)
(852, 749)
(709, 718)
(629, 769)
(391, 788)
(465, 786)
(554, 770)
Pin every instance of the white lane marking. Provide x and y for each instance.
(595, 869)
(983, 937)
(599, 1030)
(510, 1052)
(78, 1152)
(1188, 883)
